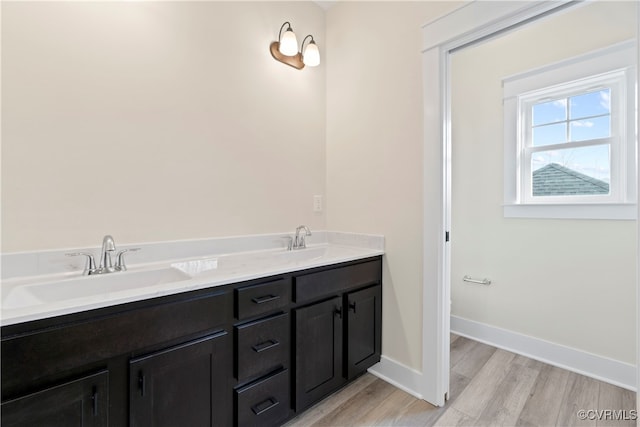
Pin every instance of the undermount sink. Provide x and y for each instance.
(307, 254)
(196, 266)
(27, 295)
(235, 262)
(30, 293)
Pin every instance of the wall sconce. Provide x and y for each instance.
(286, 51)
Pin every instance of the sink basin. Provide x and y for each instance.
(300, 255)
(197, 266)
(39, 291)
(27, 295)
(232, 263)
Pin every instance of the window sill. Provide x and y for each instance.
(614, 211)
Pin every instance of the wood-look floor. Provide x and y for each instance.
(488, 387)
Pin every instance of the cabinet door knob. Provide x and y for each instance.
(94, 401)
(338, 312)
(141, 384)
(352, 306)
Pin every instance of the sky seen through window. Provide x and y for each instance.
(582, 117)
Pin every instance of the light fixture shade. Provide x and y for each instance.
(288, 43)
(311, 55)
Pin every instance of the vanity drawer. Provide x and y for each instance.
(315, 285)
(265, 402)
(262, 298)
(262, 346)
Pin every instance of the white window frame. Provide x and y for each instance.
(612, 67)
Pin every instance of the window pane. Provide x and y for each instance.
(590, 104)
(549, 112)
(593, 128)
(549, 134)
(581, 171)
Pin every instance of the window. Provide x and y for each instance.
(570, 138)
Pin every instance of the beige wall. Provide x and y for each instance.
(145, 121)
(156, 121)
(139, 120)
(375, 142)
(571, 282)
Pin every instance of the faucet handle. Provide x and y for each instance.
(90, 266)
(289, 240)
(120, 265)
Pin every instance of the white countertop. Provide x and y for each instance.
(42, 296)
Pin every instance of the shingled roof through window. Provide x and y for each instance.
(556, 180)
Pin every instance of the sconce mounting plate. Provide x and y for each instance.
(293, 61)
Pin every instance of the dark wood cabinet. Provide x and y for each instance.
(36, 351)
(183, 341)
(255, 353)
(262, 397)
(185, 385)
(318, 351)
(83, 402)
(336, 341)
(364, 324)
(339, 329)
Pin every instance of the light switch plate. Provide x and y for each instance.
(317, 203)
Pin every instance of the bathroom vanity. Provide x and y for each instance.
(250, 353)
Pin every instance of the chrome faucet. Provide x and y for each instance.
(108, 246)
(299, 240)
(106, 263)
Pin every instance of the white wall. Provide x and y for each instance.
(156, 121)
(375, 149)
(570, 282)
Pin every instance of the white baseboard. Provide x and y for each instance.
(601, 368)
(399, 375)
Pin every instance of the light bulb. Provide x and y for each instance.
(288, 43)
(311, 55)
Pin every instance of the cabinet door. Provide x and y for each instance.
(80, 403)
(186, 385)
(364, 323)
(318, 351)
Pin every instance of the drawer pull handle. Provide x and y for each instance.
(258, 348)
(352, 306)
(263, 407)
(265, 298)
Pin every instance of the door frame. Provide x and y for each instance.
(468, 24)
